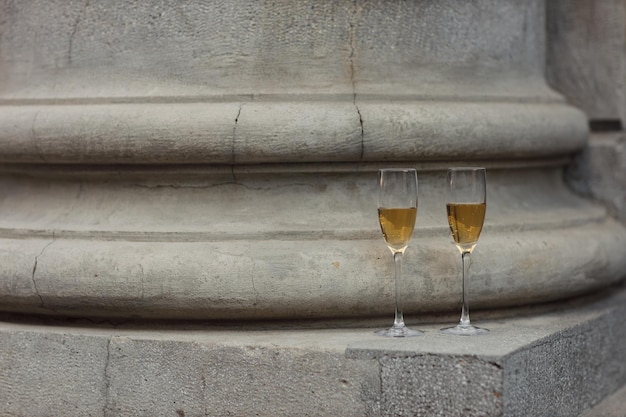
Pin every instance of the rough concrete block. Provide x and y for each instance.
(163, 377)
(567, 372)
(547, 364)
(612, 406)
(296, 382)
(550, 365)
(52, 374)
(431, 386)
(149, 378)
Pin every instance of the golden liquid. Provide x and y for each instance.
(397, 225)
(466, 222)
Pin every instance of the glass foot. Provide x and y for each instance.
(398, 331)
(464, 330)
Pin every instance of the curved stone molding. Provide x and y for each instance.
(296, 245)
(274, 132)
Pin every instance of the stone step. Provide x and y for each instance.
(612, 406)
(559, 361)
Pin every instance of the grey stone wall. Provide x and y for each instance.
(586, 61)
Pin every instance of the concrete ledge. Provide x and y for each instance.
(557, 363)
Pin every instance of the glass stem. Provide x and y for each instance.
(465, 260)
(399, 317)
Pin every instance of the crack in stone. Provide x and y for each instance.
(353, 73)
(233, 154)
(35, 270)
(496, 364)
(362, 132)
(74, 30)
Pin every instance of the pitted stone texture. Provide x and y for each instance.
(589, 356)
(440, 386)
(541, 365)
(169, 49)
(612, 406)
(52, 374)
(552, 365)
(152, 377)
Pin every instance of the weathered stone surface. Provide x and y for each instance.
(436, 130)
(612, 406)
(317, 95)
(52, 373)
(543, 363)
(166, 49)
(224, 253)
(119, 133)
(252, 187)
(600, 172)
(555, 364)
(167, 377)
(432, 386)
(202, 160)
(255, 133)
(301, 82)
(598, 364)
(586, 56)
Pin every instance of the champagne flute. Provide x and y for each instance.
(397, 209)
(466, 207)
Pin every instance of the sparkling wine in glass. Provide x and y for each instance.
(466, 207)
(397, 210)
